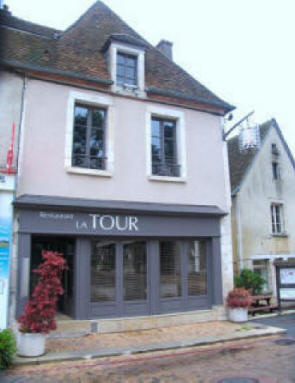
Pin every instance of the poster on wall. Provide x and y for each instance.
(287, 276)
(5, 233)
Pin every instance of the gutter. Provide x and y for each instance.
(172, 93)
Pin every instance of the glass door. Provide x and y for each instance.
(135, 286)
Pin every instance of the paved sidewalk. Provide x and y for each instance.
(90, 346)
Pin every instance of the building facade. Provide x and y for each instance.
(122, 168)
(263, 187)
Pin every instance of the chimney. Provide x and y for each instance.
(4, 9)
(165, 47)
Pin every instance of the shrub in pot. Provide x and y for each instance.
(238, 300)
(251, 281)
(39, 314)
(7, 348)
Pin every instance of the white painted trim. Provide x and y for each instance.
(271, 256)
(167, 179)
(140, 54)
(22, 132)
(179, 116)
(95, 100)
(89, 172)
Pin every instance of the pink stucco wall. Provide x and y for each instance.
(43, 157)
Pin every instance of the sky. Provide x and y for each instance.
(242, 50)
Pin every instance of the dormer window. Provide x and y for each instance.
(126, 69)
(125, 57)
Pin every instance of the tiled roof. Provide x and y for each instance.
(15, 23)
(79, 51)
(240, 162)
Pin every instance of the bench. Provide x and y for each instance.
(259, 306)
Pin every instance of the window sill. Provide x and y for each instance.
(133, 92)
(89, 172)
(167, 179)
(282, 235)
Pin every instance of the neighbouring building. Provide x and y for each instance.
(123, 168)
(11, 88)
(263, 205)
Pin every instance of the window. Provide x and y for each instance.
(126, 69)
(89, 137)
(277, 218)
(103, 272)
(274, 149)
(197, 268)
(261, 267)
(164, 149)
(275, 171)
(134, 271)
(170, 269)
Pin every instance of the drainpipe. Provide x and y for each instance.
(20, 133)
(13, 260)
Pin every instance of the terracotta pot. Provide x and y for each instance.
(239, 314)
(30, 344)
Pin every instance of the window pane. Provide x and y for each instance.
(120, 59)
(120, 70)
(130, 73)
(169, 152)
(134, 271)
(81, 114)
(170, 279)
(169, 128)
(79, 146)
(155, 128)
(98, 116)
(129, 81)
(131, 61)
(197, 268)
(103, 272)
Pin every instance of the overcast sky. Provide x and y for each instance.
(242, 50)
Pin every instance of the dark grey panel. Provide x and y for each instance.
(82, 279)
(62, 222)
(79, 204)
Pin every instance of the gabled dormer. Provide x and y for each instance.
(125, 56)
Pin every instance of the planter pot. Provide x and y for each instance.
(30, 344)
(238, 314)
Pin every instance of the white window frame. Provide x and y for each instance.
(282, 232)
(95, 100)
(116, 48)
(179, 117)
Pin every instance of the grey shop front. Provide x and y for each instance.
(125, 258)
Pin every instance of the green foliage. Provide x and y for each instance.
(7, 348)
(251, 281)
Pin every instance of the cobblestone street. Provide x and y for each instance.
(263, 359)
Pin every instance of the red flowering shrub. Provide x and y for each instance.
(40, 310)
(238, 297)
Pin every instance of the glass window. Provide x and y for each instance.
(103, 271)
(261, 267)
(170, 271)
(89, 137)
(164, 150)
(277, 218)
(134, 271)
(275, 171)
(126, 69)
(197, 268)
